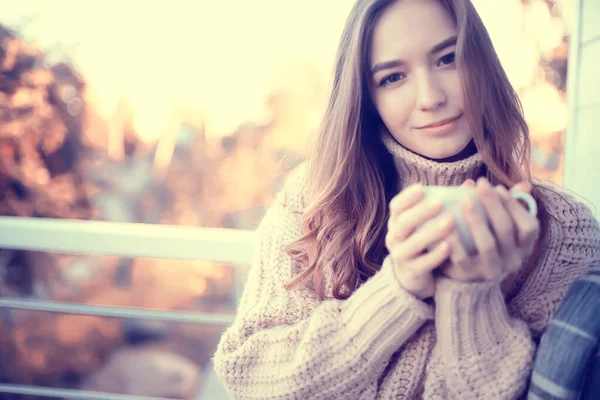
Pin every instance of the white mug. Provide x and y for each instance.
(452, 196)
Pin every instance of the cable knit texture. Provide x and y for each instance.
(383, 343)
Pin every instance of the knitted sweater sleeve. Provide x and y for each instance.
(485, 347)
(288, 344)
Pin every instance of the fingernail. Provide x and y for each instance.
(485, 184)
(503, 192)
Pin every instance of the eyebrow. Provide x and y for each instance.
(451, 41)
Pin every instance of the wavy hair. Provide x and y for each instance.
(351, 175)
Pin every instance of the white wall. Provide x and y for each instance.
(582, 140)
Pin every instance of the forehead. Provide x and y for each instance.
(410, 28)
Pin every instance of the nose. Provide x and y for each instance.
(430, 95)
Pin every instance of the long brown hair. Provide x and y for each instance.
(351, 176)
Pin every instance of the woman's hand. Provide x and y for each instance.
(407, 246)
(503, 245)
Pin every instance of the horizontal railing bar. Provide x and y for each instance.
(116, 312)
(71, 393)
(233, 246)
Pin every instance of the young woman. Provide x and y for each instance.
(343, 300)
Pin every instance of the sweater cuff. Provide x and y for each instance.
(381, 316)
(471, 318)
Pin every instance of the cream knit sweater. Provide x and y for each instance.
(383, 343)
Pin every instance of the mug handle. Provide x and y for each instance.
(532, 207)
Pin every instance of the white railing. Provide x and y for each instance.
(125, 240)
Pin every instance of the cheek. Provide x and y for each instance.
(395, 109)
(455, 90)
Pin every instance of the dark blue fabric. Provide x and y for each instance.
(566, 364)
(592, 387)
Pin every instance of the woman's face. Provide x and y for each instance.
(415, 84)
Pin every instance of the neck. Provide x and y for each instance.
(468, 151)
(450, 171)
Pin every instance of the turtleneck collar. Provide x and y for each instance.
(414, 168)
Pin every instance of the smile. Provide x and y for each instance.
(441, 127)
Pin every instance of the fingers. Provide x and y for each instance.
(428, 236)
(402, 226)
(501, 239)
(461, 267)
(523, 186)
(407, 212)
(511, 254)
(432, 259)
(416, 275)
(500, 220)
(469, 182)
(485, 241)
(527, 225)
(406, 199)
(412, 230)
(404, 240)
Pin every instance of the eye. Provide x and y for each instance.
(448, 59)
(392, 78)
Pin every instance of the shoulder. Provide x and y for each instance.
(290, 201)
(570, 219)
(572, 241)
(570, 246)
(562, 203)
(293, 194)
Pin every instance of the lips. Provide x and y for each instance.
(441, 123)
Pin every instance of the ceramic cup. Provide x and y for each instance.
(452, 196)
